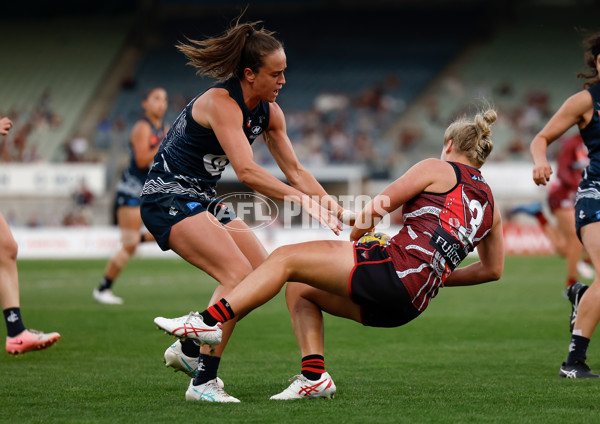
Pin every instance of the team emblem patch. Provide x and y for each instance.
(192, 205)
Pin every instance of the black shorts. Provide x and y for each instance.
(161, 211)
(377, 289)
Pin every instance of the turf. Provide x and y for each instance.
(484, 354)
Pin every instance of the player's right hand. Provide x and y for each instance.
(5, 125)
(542, 173)
(321, 214)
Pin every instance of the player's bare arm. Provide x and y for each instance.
(142, 151)
(576, 110)
(221, 113)
(491, 259)
(281, 149)
(428, 175)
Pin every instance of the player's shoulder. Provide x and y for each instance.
(275, 110)
(433, 172)
(215, 103)
(579, 101)
(433, 165)
(142, 124)
(215, 96)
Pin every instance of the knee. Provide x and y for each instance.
(122, 256)
(130, 249)
(282, 255)
(8, 250)
(296, 293)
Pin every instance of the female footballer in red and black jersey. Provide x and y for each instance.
(448, 211)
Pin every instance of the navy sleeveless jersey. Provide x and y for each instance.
(439, 230)
(134, 177)
(158, 133)
(191, 160)
(591, 136)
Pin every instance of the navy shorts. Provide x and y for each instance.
(161, 211)
(377, 289)
(124, 199)
(587, 206)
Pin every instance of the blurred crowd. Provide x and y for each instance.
(16, 147)
(521, 115)
(340, 128)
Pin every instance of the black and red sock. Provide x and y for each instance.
(219, 312)
(313, 366)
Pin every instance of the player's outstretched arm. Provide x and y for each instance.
(491, 259)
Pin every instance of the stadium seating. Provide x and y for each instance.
(63, 58)
(525, 71)
(332, 60)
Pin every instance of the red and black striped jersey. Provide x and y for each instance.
(439, 230)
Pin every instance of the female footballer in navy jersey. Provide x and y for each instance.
(179, 203)
(146, 136)
(581, 109)
(448, 210)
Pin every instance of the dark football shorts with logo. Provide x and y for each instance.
(125, 199)
(587, 204)
(161, 211)
(375, 286)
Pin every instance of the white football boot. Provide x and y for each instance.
(179, 361)
(107, 297)
(191, 326)
(210, 391)
(303, 388)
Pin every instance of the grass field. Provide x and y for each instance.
(481, 354)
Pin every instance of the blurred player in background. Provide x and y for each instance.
(572, 160)
(19, 339)
(146, 136)
(581, 109)
(448, 210)
(179, 203)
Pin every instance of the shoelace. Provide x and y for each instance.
(296, 377)
(219, 389)
(191, 315)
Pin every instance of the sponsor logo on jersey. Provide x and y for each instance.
(450, 249)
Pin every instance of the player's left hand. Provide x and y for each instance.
(348, 217)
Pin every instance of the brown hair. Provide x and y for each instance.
(473, 137)
(241, 46)
(592, 50)
(147, 93)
